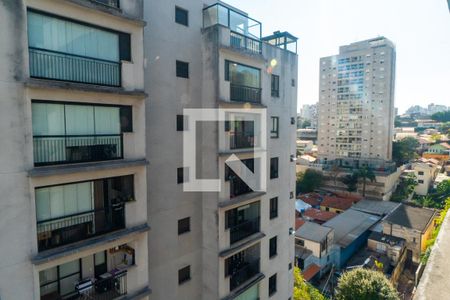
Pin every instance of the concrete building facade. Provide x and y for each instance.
(236, 243)
(356, 104)
(73, 171)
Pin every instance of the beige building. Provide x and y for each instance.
(425, 171)
(73, 209)
(356, 104)
(236, 243)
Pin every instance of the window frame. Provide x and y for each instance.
(273, 208)
(180, 21)
(274, 173)
(273, 247)
(184, 274)
(275, 127)
(184, 225)
(272, 284)
(182, 175)
(275, 86)
(182, 69)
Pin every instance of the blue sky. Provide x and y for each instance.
(419, 28)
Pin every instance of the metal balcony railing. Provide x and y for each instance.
(58, 149)
(49, 64)
(240, 41)
(243, 272)
(241, 140)
(112, 3)
(243, 93)
(69, 229)
(110, 287)
(243, 230)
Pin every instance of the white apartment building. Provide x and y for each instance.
(236, 243)
(73, 204)
(356, 104)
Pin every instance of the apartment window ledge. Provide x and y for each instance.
(240, 199)
(242, 150)
(239, 104)
(244, 243)
(84, 87)
(245, 286)
(113, 11)
(112, 237)
(85, 167)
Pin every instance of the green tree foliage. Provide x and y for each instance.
(365, 174)
(443, 188)
(303, 290)
(351, 181)
(445, 128)
(308, 181)
(442, 116)
(365, 284)
(404, 150)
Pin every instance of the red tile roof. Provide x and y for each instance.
(312, 199)
(311, 271)
(298, 223)
(320, 215)
(337, 202)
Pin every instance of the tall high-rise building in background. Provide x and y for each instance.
(238, 243)
(92, 204)
(356, 104)
(308, 112)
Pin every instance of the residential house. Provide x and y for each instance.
(318, 216)
(389, 245)
(425, 171)
(414, 225)
(337, 204)
(317, 239)
(439, 151)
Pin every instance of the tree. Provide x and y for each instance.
(308, 181)
(365, 173)
(445, 128)
(443, 188)
(442, 116)
(335, 171)
(303, 290)
(365, 284)
(351, 181)
(404, 150)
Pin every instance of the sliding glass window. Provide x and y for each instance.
(245, 82)
(70, 133)
(66, 50)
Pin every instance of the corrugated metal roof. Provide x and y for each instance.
(312, 232)
(349, 225)
(379, 208)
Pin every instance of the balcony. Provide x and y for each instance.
(240, 41)
(238, 187)
(242, 272)
(244, 229)
(239, 140)
(49, 64)
(243, 93)
(111, 286)
(60, 149)
(68, 229)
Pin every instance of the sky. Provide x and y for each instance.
(420, 29)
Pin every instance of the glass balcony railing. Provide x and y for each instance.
(241, 140)
(49, 64)
(68, 229)
(245, 31)
(245, 93)
(244, 229)
(243, 272)
(58, 149)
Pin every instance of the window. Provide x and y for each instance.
(125, 46)
(421, 173)
(181, 16)
(182, 175)
(182, 69)
(242, 75)
(126, 118)
(274, 131)
(273, 208)
(184, 274)
(290, 266)
(420, 181)
(293, 82)
(272, 284)
(275, 86)
(274, 167)
(300, 242)
(181, 123)
(60, 280)
(184, 225)
(273, 247)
